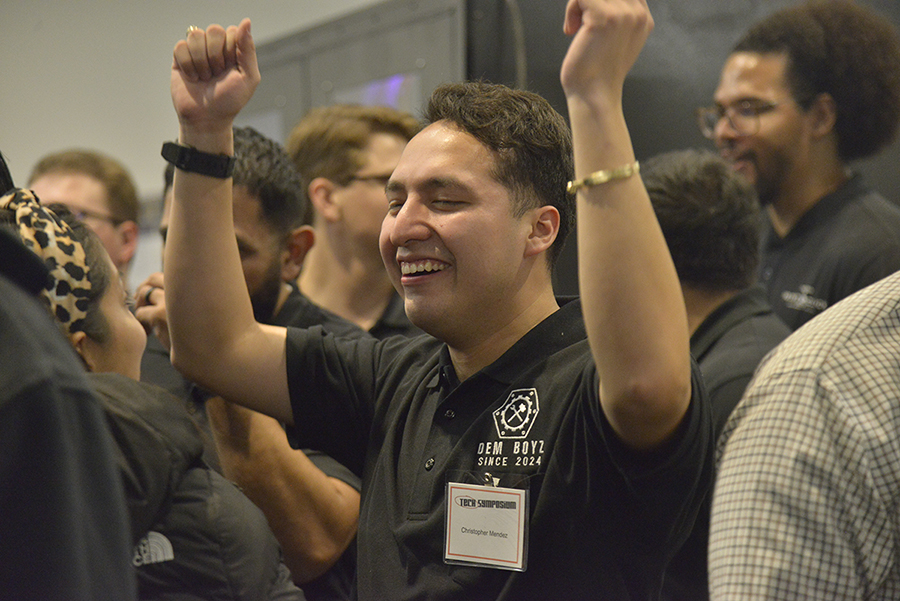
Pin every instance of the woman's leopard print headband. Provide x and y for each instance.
(68, 287)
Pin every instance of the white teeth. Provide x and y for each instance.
(427, 266)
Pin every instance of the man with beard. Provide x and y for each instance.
(271, 225)
(804, 93)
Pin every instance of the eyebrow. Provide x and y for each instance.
(432, 184)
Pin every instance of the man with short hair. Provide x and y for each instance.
(523, 452)
(804, 93)
(712, 222)
(346, 154)
(310, 501)
(710, 218)
(99, 190)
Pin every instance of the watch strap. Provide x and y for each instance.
(196, 161)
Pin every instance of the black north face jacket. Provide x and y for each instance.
(196, 535)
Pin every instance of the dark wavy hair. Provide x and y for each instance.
(266, 170)
(531, 142)
(710, 217)
(845, 50)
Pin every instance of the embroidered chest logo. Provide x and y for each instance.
(515, 418)
(804, 300)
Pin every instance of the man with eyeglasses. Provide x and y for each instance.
(346, 154)
(100, 192)
(803, 94)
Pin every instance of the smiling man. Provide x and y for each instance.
(579, 429)
(806, 92)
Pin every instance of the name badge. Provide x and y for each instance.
(486, 526)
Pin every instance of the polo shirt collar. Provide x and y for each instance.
(821, 212)
(736, 309)
(560, 330)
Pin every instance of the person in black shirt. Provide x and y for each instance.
(345, 154)
(710, 217)
(805, 92)
(310, 501)
(520, 452)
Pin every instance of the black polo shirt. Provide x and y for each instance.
(730, 343)
(728, 346)
(603, 520)
(394, 322)
(846, 241)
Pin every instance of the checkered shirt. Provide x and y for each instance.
(807, 498)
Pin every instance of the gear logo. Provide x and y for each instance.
(515, 418)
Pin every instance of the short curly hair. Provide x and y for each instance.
(531, 142)
(265, 169)
(845, 50)
(710, 217)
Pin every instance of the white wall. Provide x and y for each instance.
(95, 74)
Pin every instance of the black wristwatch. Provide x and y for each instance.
(195, 161)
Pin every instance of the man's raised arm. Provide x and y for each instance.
(634, 311)
(215, 338)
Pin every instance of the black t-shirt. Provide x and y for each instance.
(604, 520)
(846, 241)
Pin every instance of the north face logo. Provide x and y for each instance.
(515, 418)
(153, 548)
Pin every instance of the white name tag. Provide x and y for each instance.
(486, 526)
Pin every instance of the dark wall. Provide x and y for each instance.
(677, 71)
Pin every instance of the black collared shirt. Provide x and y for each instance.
(730, 343)
(394, 322)
(603, 520)
(846, 241)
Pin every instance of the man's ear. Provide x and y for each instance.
(544, 228)
(128, 233)
(823, 114)
(321, 191)
(299, 242)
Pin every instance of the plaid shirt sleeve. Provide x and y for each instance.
(807, 498)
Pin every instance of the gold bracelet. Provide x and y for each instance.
(605, 175)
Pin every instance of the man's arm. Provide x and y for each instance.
(314, 517)
(633, 308)
(216, 341)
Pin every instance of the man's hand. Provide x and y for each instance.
(151, 308)
(608, 37)
(214, 74)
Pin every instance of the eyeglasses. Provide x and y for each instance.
(381, 180)
(82, 214)
(743, 117)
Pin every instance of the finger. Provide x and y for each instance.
(182, 62)
(154, 279)
(196, 44)
(573, 17)
(230, 47)
(246, 50)
(215, 48)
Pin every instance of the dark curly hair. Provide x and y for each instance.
(845, 50)
(265, 169)
(530, 140)
(710, 217)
